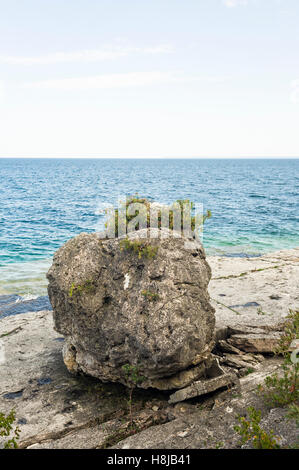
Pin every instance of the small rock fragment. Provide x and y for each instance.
(256, 343)
(182, 434)
(226, 347)
(202, 387)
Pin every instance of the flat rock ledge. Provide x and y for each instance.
(55, 409)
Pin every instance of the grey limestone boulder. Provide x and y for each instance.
(142, 302)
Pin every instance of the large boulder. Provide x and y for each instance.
(140, 301)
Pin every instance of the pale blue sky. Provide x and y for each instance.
(149, 78)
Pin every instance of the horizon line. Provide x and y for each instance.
(150, 158)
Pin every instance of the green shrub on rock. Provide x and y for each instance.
(7, 430)
(250, 430)
(281, 390)
(143, 249)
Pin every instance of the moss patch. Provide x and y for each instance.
(141, 248)
(87, 286)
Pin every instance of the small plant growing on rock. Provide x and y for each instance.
(133, 378)
(283, 390)
(87, 286)
(293, 413)
(142, 248)
(151, 296)
(219, 445)
(290, 333)
(7, 427)
(250, 430)
(260, 311)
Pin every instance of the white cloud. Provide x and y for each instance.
(94, 55)
(118, 80)
(234, 3)
(115, 80)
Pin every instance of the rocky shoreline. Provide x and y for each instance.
(251, 296)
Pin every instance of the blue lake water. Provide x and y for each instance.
(44, 202)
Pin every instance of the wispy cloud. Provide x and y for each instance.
(94, 55)
(234, 3)
(237, 3)
(118, 80)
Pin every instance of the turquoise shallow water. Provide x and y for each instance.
(44, 202)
